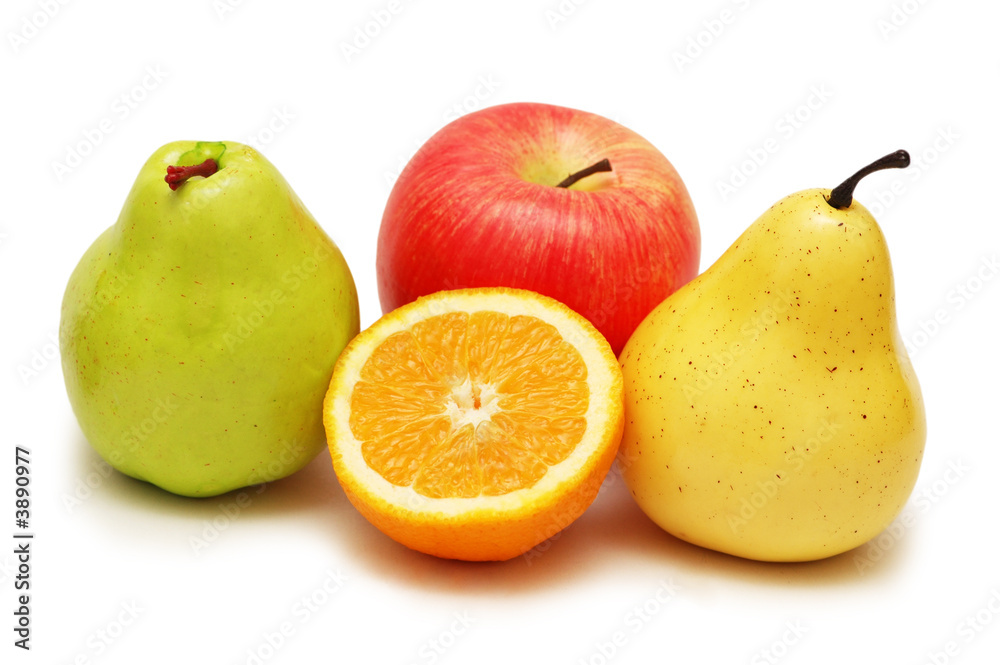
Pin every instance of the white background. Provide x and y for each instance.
(115, 575)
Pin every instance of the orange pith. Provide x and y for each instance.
(466, 405)
(476, 423)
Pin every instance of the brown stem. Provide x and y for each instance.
(843, 195)
(178, 175)
(603, 165)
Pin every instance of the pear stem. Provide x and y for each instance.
(603, 165)
(178, 175)
(843, 195)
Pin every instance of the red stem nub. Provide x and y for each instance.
(178, 175)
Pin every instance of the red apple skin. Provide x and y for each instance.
(478, 206)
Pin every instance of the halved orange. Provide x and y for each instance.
(474, 424)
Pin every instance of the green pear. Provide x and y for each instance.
(771, 411)
(198, 333)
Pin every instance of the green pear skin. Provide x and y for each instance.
(198, 334)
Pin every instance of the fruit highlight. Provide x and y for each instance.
(474, 424)
(186, 355)
(523, 196)
(771, 409)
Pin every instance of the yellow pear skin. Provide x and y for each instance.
(771, 409)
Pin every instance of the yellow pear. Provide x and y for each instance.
(771, 411)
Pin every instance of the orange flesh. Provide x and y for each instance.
(454, 418)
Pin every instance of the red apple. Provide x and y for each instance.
(484, 203)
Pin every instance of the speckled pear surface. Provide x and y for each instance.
(199, 332)
(771, 411)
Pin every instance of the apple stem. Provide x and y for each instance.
(843, 195)
(178, 175)
(601, 166)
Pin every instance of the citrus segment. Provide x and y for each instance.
(489, 328)
(525, 368)
(508, 463)
(469, 414)
(441, 340)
